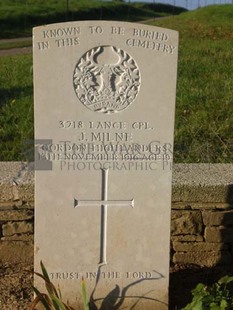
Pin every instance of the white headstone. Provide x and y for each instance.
(104, 119)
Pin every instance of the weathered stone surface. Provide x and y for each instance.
(186, 222)
(29, 205)
(22, 237)
(13, 177)
(217, 218)
(10, 205)
(16, 251)
(26, 192)
(190, 238)
(12, 228)
(15, 194)
(6, 192)
(198, 246)
(218, 234)
(181, 206)
(16, 173)
(201, 205)
(16, 215)
(202, 182)
(16, 205)
(208, 259)
(197, 193)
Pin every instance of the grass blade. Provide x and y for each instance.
(49, 285)
(39, 299)
(44, 271)
(58, 304)
(59, 292)
(84, 295)
(43, 298)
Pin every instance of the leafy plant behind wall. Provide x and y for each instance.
(216, 297)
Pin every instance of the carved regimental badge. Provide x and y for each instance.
(106, 79)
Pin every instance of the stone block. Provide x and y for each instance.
(26, 192)
(16, 252)
(219, 234)
(23, 237)
(10, 205)
(186, 222)
(198, 246)
(190, 238)
(208, 259)
(12, 228)
(201, 206)
(217, 218)
(181, 206)
(6, 192)
(16, 215)
(202, 183)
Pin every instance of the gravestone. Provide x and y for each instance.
(104, 116)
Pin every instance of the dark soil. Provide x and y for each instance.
(16, 286)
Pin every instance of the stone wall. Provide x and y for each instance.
(201, 219)
(202, 214)
(16, 212)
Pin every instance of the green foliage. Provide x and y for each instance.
(216, 297)
(52, 300)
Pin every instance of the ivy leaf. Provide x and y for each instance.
(195, 305)
(223, 304)
(225, 280)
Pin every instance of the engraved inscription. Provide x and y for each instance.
(118, 30)
(61, 32)
(110, 275)
(151, 35)
(159, 47)
(67, 42)
(43, 45)
(106, 79)
(137, 37)
(96, 29)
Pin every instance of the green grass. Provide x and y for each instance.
(16, 105)
(18, 17)
(204, 112)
